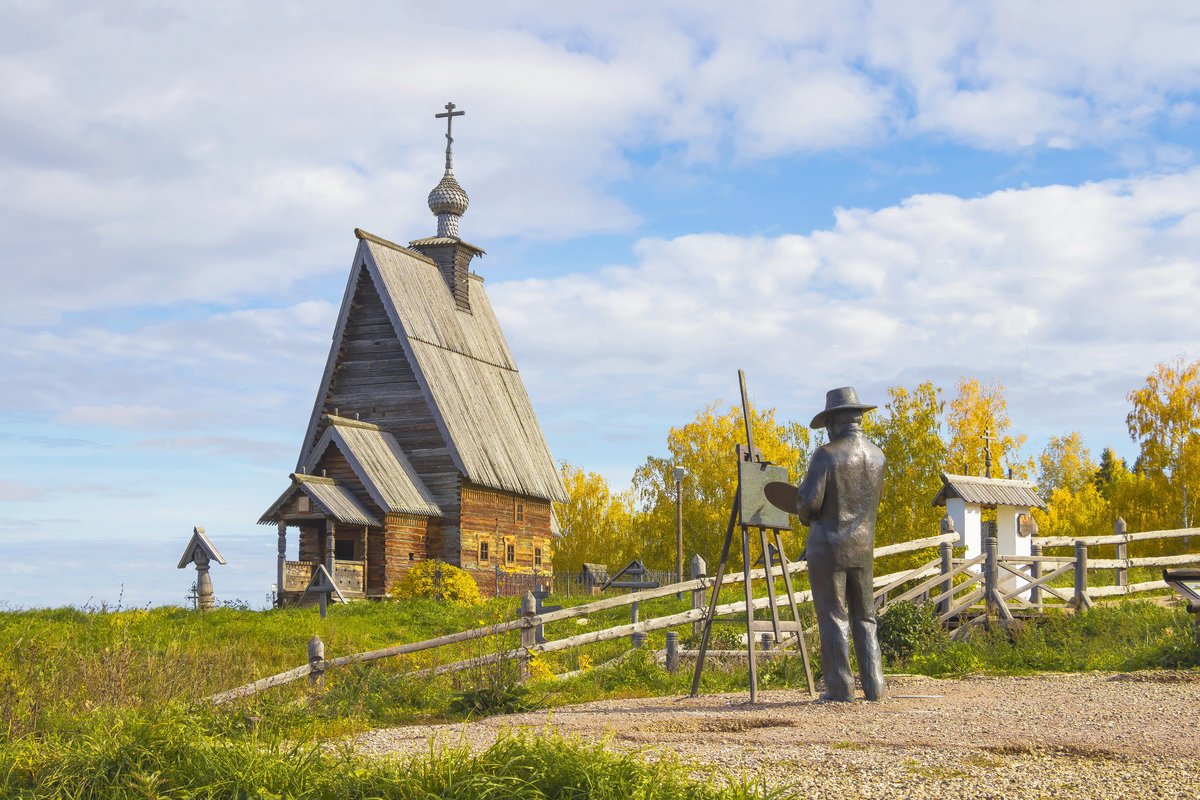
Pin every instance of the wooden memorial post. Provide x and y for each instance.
(201, 552)
(751, 509)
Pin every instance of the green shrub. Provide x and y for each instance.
(905, 628)
(438, 580)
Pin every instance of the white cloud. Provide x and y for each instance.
(1083, 287)
(151, 157)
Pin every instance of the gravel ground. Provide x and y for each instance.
(1057, 736)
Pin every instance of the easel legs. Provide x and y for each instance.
(710, 613)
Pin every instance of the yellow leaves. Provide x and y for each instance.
(1165, 421)
(440, 581)
(978, 411)
(1065, 463)
(596, 525)
(539, 669)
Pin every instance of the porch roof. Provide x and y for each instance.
(331, 497)
(379, 463)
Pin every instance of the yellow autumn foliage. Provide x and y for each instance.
(440, 581)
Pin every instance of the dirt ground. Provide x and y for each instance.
(1056, 736)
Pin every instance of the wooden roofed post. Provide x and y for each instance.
(201, 552)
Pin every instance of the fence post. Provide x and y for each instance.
(698, 568)
(1082, 601)
(637, 638)
(528, 632)
(672, 651)
(991, 576)
(497, 580)
(948, 584)
(1035, 572)
(316, 656)
(1120, 529)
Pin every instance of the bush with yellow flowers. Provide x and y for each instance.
(439, 581)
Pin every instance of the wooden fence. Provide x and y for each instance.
(530, 621)
(965, 591)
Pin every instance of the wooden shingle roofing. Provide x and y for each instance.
(464, 368)
(988, 491)
(331, 497)
(379, 463)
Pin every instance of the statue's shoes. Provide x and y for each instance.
(826, 697)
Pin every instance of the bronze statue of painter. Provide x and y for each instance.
(838, 500)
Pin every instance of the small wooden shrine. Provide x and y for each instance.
(965, 497)
(422, 441)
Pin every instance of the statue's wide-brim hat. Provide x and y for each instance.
(843, 399)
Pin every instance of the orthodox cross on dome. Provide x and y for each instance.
(448, 200)
(449, 117)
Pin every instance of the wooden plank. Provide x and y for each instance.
(1069, 541)
(915, 544)
(1039, 559)
(913, 575)
(1146, 561)
(963, 605)
(938, 578)
(260, 685)
(1042, 582)
(1133, 588)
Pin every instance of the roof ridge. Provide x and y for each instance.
(370, 237)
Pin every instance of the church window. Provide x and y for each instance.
(510, 552)
(537, 556)
(520, 512)
(483, 551)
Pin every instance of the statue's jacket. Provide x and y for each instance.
(839, 498)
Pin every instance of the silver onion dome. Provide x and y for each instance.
(448, 197)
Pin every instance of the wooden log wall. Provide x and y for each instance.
(500, 519)
(405, 545)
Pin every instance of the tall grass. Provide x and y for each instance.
(179, 757)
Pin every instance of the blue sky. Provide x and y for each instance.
(820, 193)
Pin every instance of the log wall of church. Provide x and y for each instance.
(405, 544)
(502, 519)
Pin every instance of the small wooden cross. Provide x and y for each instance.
(987, 451)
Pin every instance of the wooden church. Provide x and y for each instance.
(422, 441)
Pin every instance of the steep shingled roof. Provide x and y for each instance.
(465, 370)
(988, 491)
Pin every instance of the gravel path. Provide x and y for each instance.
(1062, 736)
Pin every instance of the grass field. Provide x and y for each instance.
(107, 703)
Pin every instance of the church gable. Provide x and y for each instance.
(369, 377)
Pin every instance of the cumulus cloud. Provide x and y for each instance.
(1067, 294)
(206, 162)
